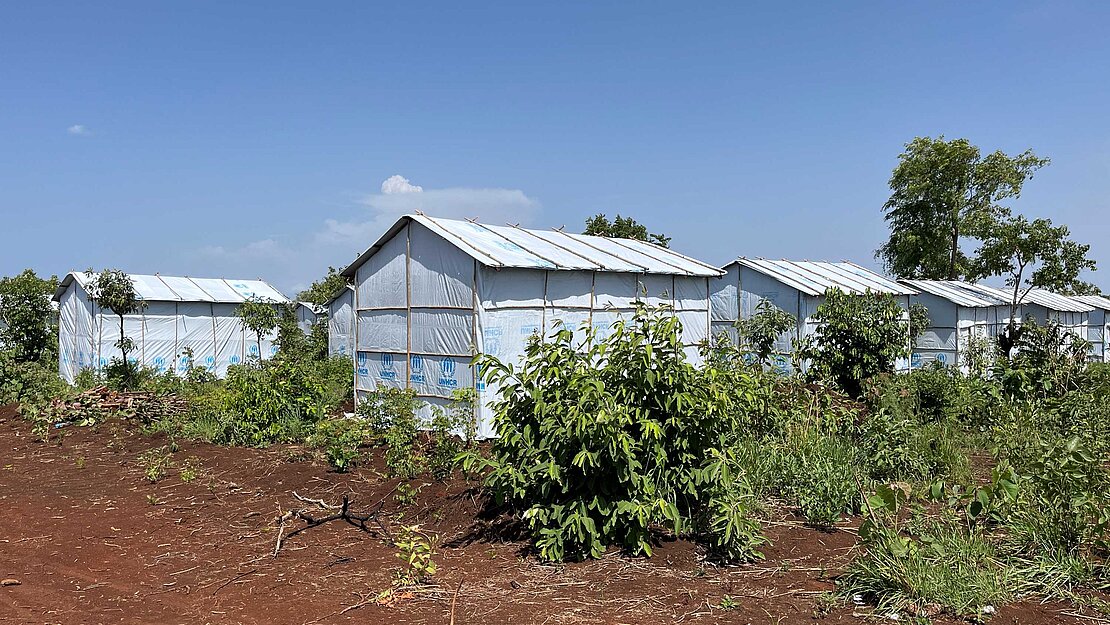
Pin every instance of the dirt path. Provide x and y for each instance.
(94, 541)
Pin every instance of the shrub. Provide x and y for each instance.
(27, 326)
(597, 446)
(340, 438)
(758, 333)
(858, 337)
(821, 475)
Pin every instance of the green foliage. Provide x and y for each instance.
(597, 446)
(263, 403)
(323, 290)
(820, 474)
(758, 333)
(28, 382)
(27, 326)
(341, 439)
(623, 228)
(416, 549)
(259, 316)
(1062, 505)
(113, 290)
(858, 337)
(444, 446)
(926, 565)
(391, 415)
(944, 193)
(155, 463)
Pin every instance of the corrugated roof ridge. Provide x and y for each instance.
(769, 268)
(882, 278)
(583, 241)
(497, 234)
(620, 243)
(842, 283)
(454, 238)
(565, 249)
(167, 285)
(848, 277)
(667, 250)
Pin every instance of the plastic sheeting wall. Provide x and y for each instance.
(1097, 333)
(951, 329)
(341, 334)
(162, 332)
(738, 294)
(423, 306)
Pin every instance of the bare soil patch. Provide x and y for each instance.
(92, 540)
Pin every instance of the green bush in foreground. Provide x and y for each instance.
(599, 445)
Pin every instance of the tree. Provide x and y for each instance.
(322, 290)
(943, 193)
(258, 315)
(26, 316)
(859, 336)
(1031, 255)
(623, 228)
(113, 290)
(759, 332)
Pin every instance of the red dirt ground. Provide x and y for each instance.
(91, 540)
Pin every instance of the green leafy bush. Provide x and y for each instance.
(858, 337)
(925, 565)
(599, 445)
(340, 438)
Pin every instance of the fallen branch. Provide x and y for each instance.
(342, 512)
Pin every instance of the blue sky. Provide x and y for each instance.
(253, 139)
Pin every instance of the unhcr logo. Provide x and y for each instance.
(447, 374)
(416, 364)
(385, 368)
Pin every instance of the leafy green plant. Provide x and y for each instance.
(27, 326)
(599, 445)
(924, 565)
(759, 333)
(259, 316)
(113, 290)
(858, 337)
(155, 463)
(416, 549)
(340, 438)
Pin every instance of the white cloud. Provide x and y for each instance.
(79, 129)
(292, 263)
(399, 184)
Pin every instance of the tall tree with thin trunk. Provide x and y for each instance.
(943, 194)
(114, 290)
(1031, 255)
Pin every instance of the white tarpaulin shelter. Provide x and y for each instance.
(958, 312)
(1043, 306)
(431, 291)
(341, 320)
(180, 313)
(797, 287)
(1098, 330)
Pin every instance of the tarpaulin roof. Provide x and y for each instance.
(156, 288)
(1097, 301)
(513, 246)
(815, 277)
(958, 292)
(1040, 297)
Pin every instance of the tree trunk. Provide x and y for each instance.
(952, 275)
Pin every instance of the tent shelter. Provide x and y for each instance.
(308, 314)
(958, 312)
(341, 335)
(1098, 329)
(431, 291)
(1043, 306)
(180, 314)
(797, 287)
